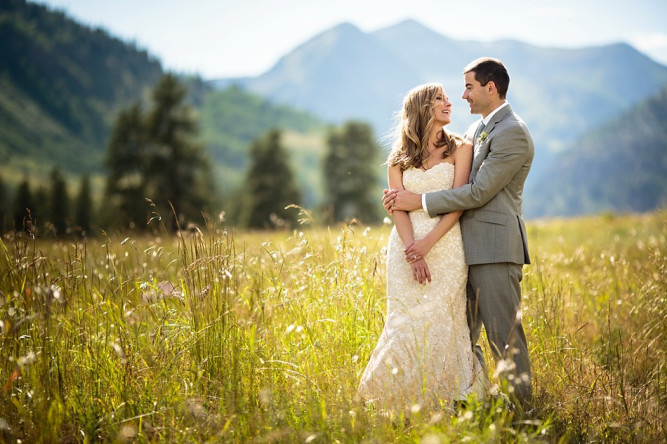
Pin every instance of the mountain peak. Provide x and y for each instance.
(412, 28)
(342, 30)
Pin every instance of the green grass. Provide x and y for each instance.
(228, 336)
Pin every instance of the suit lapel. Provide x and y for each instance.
(481, 147)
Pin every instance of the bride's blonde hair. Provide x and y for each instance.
(413, 130)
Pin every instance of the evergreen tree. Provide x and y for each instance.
(125, 194)
(177, 170)
(84, 207)
(59, 203)
(41, 208)
(351, 189)
(23, 207)
(270, 185)
(155, 157)
(4, 207)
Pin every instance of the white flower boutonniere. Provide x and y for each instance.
(482, 137)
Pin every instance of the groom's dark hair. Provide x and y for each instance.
(487, 70)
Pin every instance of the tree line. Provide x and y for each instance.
(158, 176)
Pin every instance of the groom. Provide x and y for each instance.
(494, 234)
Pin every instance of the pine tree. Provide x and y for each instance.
(41, 209)
(84, 207)
(125, 194)
(155, 157)
(23, 207)
(177, 170)
(59, 203)
(351, 187)
(4, 207)
(270, 185)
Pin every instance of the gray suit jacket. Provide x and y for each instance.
(492, 225)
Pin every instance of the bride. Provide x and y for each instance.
(424, 355)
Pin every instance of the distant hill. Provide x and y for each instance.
(232, 118)
(618, 166)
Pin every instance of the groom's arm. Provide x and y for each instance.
(508, 152)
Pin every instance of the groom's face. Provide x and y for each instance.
(476, 95)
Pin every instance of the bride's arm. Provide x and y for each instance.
(403, 225)
(462, 166)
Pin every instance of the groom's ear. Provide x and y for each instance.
(491, 87)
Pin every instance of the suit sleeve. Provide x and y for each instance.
(508, 151)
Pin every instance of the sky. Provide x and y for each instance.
(233, 38)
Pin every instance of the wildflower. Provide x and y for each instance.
(504, 366)
(27, 359)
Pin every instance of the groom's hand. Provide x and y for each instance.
(395, 199)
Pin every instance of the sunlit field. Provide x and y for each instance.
(227, 336)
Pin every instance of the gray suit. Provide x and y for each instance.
(494, 238)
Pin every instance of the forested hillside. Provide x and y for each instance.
(61, 84)
(619, 166)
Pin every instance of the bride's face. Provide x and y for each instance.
(442, 109)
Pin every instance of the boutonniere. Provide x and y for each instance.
(482, 137)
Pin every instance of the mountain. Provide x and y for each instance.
(60, 86)
(345, 73)
(339, 75)
(618, 166)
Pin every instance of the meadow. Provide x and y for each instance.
(222, 335)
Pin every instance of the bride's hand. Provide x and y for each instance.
(417, 250)
(420, 271)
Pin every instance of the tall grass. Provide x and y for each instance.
(234, 337)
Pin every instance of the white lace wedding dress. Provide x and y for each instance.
(424, 356)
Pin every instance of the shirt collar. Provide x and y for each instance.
(487, 119)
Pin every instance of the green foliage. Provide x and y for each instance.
(177, 170)
(155, 157)
(262, 337)
(125, 187)
(270, 185)
(83, 216)
(23, 207)
(41, 210)
(349, 172)
(4, 206)
(59, 204)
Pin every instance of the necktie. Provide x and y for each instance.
(480, 128)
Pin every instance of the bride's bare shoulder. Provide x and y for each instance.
(464, 148)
